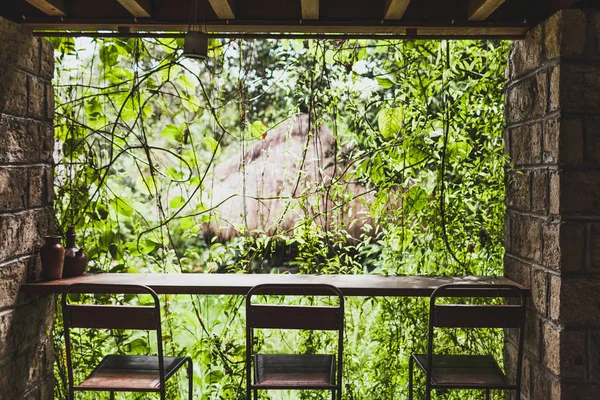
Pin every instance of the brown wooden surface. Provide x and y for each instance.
(464, 371)
(134, 373)
(239, 284)
(500, 18)
(297, 371)
(294, 317)
(112, 317)
(477, 316)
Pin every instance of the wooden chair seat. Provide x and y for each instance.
(130, 373)
(294, 371)
(464, 371)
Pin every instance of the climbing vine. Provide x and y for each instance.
(410, 181)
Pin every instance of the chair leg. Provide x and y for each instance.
(112, 395)
(487, 394)
(410, 378)
(518, 397)
(190, 379)
(255, 394)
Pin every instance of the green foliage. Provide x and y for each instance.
(417, 123)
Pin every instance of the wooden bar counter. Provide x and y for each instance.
(239, 284)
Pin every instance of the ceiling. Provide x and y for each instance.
(409, 18)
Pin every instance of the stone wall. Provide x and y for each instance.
(26, 146)
(553, 198)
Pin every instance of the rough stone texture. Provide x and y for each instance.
(553, 232)
(26, 188)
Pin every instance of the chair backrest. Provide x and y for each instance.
(477, 315)
(263, 316)
(92, 316)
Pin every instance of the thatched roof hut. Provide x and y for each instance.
(294, 174)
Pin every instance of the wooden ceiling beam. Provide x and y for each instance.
(395, 9)
(138, 8)
(53, 8)
(310, 9)
(480, 10)
(224, 9)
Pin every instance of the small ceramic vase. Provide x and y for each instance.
(53, 256)
(75, 259)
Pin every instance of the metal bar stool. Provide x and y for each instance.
(121, 373)
(294, 371)
(481, 372)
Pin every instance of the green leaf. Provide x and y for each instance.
(212, 144)
(177, 202)
(173, 132)
(121, 207)
(384, 82)
(258, 130)
(390, 121)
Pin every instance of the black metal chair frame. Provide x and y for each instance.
(293, 290)
(473, 291)
(153, 323)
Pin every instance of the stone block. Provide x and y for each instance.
(22, 233)
(527, 54)
(540, 191)
(50, 105)
(517, 271)
(527, 99)
(11, 278)
(526, 241)
(551, 139)
(25, 141)
(13, 188)
(594, 247)
(38, 186)
(37, 98)
(592, 140)
(580, 193)
(565, 352)
(532, 336)
(518, 193)
(46, 59)
(539, 290)
(551, 256)
(30, 58)
(46, 133)
(552, 346)
(571, 141)
(526, 144)
(554, 297)
(579, 302)
(565, 34)
(506, 241)
(13, 94)
(580, 390)
(594, 354)
(580, 88)
(541, 384)
(554, 89)
(22, 373)
(24, 326)
(554, 192)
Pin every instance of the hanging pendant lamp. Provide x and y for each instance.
(195, 44)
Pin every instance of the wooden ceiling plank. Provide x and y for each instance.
(53, 8)
(138, 8)
(224, 9)
(310, 9)
(480, 10)
(395, 9)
